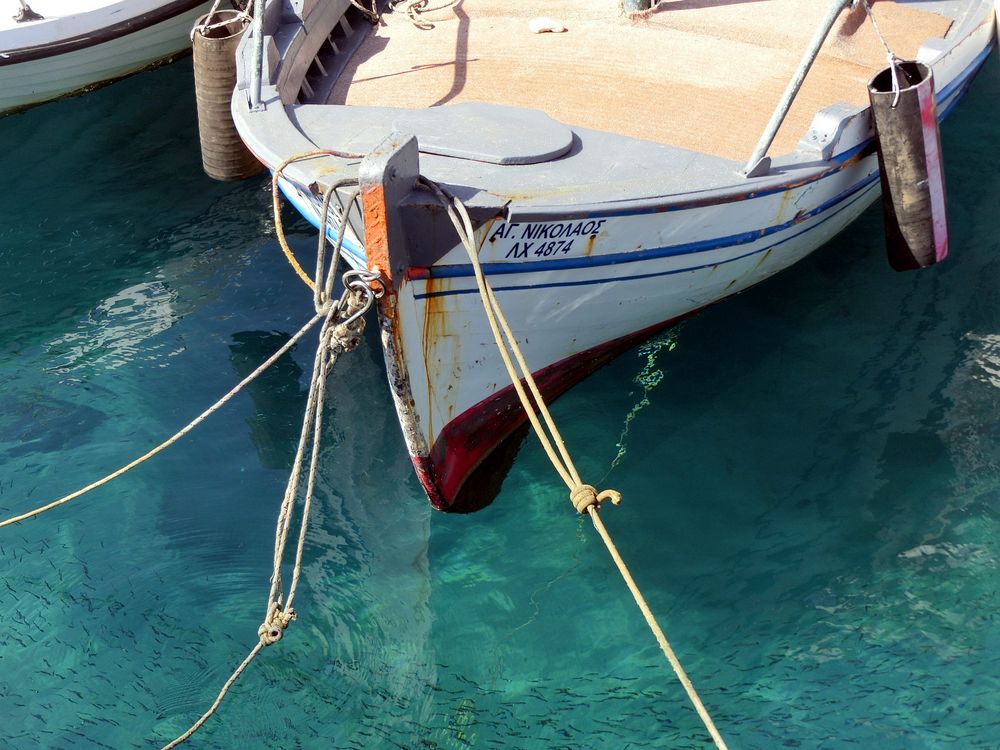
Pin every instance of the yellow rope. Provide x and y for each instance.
(585, 498)
(661, 638)
(276, 205)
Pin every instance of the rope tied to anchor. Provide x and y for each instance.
(584, 497)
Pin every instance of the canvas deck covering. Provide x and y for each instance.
(698, 74)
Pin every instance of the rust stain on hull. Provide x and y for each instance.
(435, 325)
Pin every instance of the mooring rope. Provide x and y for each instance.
(335, 338)
(176, 436)
(208, 25)
(341, 332)
(414, 10)
(585, 497)
(321, 295)
(371, 14)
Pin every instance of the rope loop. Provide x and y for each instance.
(371, 14)
(208, 25)
(413, 11)
(894, 67)
(583, 496)
(278, 175)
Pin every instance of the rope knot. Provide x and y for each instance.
(585, 495)
(274, 625)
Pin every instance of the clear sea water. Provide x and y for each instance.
(811, 475)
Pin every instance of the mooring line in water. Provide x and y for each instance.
(176, 436)
(341, 332)
(336, 338)
(585, 497)
(321, 296)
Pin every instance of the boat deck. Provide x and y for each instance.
(702, 75)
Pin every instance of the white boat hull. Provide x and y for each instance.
(50, 76)
(580, 278)
(577, 290)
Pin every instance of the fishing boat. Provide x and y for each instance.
(53, 48)
(620, 170)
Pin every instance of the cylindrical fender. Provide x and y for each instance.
(214, 39)
(909, 157)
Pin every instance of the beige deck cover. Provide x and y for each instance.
(699, 74)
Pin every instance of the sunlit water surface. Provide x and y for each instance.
(811, 475)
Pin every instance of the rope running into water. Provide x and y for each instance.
(584, 497)
(320, 297)
(176, 436)
(278, 617)
(340, 333)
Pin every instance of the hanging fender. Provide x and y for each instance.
(911, 171)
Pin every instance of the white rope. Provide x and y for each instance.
(204, 27)
(173, 438)
(341, 330)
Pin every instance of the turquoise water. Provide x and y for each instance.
(811, 475)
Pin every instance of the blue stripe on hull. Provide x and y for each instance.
(948, 98)
(851, 198)
(687, 248)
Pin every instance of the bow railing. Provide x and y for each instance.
(759, 163)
